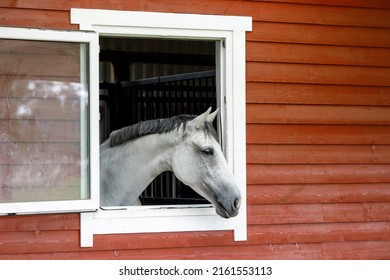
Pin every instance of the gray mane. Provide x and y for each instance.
(158, 126)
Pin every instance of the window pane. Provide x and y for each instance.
(43, 121)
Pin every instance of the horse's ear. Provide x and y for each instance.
(211, 117)
(201, 119)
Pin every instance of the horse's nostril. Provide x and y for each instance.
(237, 203)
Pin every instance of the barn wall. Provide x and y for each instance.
(318, 137)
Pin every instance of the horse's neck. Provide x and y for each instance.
(127, 169)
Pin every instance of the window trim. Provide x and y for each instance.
(55, 206)
(230, 32)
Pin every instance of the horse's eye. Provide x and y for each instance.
(208, 151)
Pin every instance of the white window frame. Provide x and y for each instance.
(230, 32)
(87, 204)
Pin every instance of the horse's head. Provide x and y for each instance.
(198, 162)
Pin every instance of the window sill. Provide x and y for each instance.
(147, 219)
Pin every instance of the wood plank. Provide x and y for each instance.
(264, 10)
(314, 154)
(346, 3)
(39, 153)
(292, 93)
(285, 251)
(314, 14)
(271, 214)
(39, 131)
(363, 250)
(162, 240)
(318, 233)
(317, 54)
(45, 222)
(317, 74)
(54, 14)
(224, 239)
(318, 134)
(288, 251)
(317, 174)
(52, 5)
(39, 241)
(279, 12)
(274, 237)
(36, 18)
(57, 243)
(358, 212)
(39, 109)
(256, 235)
(46, 241)
(319, 34)
(318, 193)
(317, 114)
(317, 14)
(358, 250)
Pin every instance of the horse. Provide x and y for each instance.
(187, 145)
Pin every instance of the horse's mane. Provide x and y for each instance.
(158, 126)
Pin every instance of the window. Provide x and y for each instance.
(45, 159)
(228, 35)
(49, 117)
(150, 78)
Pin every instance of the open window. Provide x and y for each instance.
(46, 163)
(161, 57)
(49, 115)
(150, 78)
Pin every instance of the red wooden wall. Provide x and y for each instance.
(318, 137)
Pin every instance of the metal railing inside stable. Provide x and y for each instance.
(163, 97)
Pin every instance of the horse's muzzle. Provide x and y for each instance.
(229, 211)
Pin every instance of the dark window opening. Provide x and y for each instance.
(142, 79)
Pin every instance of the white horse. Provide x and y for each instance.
(133, 156)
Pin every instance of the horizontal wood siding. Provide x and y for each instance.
(317, 111)
(318, 137)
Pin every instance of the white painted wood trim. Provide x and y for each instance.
(89, 204)
(227, 29)
(239, 124)
(161, 20)
(19, 33)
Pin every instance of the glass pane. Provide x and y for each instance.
(43, 121)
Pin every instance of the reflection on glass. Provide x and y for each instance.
(43, 121)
